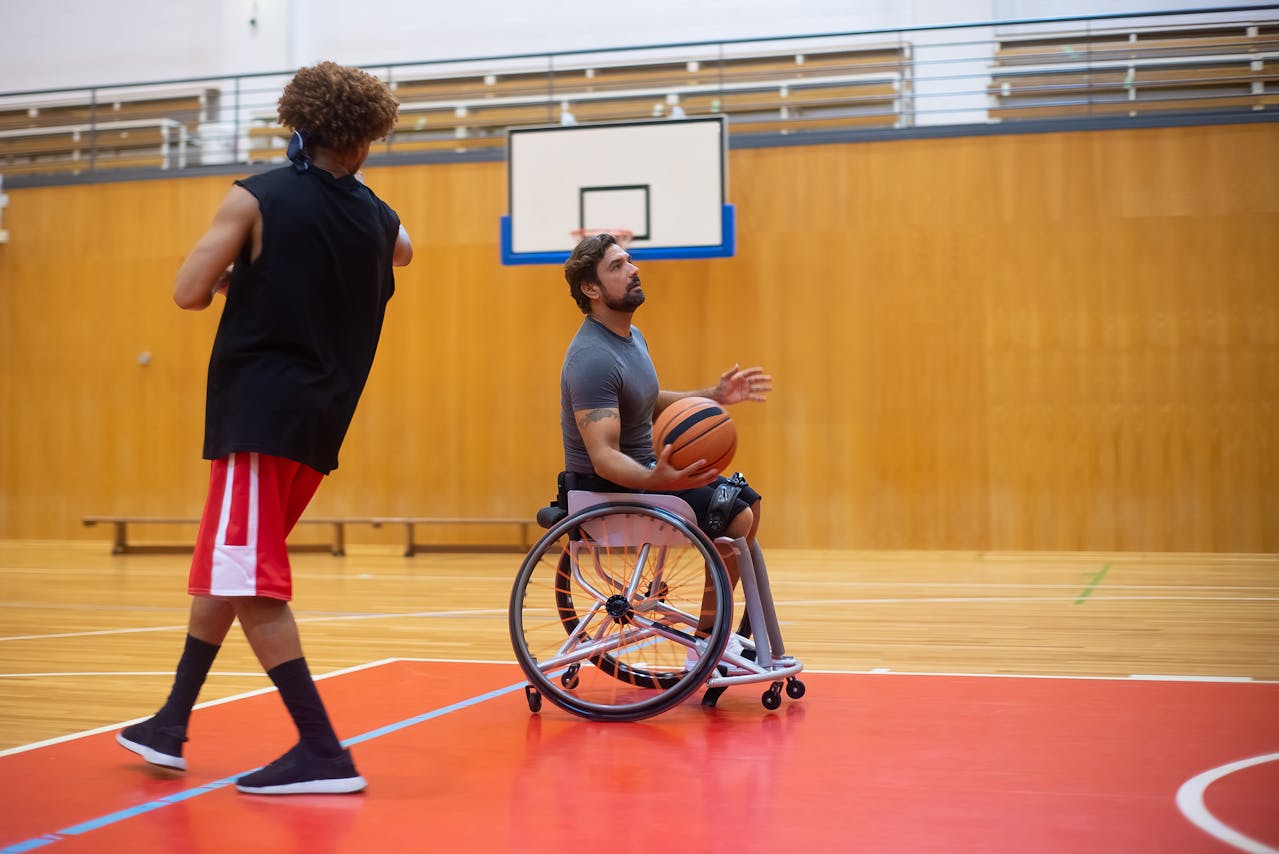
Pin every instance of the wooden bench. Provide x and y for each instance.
(120, 534)
(1128, 45)
(399, 143)
(406, 144)
(336, 546)
(868, 59)
(874, 95)
(796, 123)
(412, 546)
(495, 85)
(604, 79)
(59, 166)
(109, 136)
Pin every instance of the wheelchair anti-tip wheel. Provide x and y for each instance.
(620, 612)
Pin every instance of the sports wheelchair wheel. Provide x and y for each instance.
(608, 606)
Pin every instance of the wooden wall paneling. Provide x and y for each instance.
(1050, 341)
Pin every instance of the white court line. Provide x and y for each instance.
(168, 673)
(1269, 588)
(113, 727)
(325, 619)
(1191, 803)
(1095, 597)
(798, 603)
(842, 582)
(1133, 677)
(1159, 677)
(97, 632)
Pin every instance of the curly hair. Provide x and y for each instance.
(580, 266)
(338, 107)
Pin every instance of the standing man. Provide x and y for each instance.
(609, 396)
(313, 250)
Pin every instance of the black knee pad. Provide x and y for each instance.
(720, 511)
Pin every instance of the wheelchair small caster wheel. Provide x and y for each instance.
(534, 699)
(794, 688)
(569, 679)
(772, 698)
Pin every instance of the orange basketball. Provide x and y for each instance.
(698, 428)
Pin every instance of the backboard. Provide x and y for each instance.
(664, 181)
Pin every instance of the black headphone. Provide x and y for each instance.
(297, 152)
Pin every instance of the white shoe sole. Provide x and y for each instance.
(345, 786)
(155, 757)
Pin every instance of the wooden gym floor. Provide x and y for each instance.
(956, 702)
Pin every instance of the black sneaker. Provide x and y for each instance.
(301, 772)
(159, 745)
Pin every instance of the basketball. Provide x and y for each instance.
(697, 428)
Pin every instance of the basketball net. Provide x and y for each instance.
(623, 236)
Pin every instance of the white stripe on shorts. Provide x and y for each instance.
(235, 568)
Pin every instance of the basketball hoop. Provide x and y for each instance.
(623, 236)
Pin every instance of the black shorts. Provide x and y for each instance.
(699, 499)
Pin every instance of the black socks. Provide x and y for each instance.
(193, 667)
(292, 678)
(302, 699)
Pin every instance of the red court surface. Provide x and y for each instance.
(864, 762)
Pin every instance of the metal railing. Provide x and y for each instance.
(1185, 66)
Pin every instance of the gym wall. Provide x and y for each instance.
(1021, 342)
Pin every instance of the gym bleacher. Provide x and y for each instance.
(1136, 72)
(82, 131)
(789, 90)
(768, 92)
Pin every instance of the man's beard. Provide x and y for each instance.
(632, 300)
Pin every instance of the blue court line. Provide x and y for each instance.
(187, 794)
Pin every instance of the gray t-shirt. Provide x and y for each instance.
(605, 371)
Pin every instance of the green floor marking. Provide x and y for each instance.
(1092, 585)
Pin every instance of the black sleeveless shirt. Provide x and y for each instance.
(301, 323)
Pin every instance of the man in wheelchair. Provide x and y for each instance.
(610, 395)
(625, 606)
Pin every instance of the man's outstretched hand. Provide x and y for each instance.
(737, 384)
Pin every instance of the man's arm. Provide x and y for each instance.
(403, 249)
(403, 252)
(204, 270)
(601, 431)
(735, 385)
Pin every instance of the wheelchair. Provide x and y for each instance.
(624, 608)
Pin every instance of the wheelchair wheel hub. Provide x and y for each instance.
(618, 608)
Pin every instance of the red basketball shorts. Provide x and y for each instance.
(254, 502)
